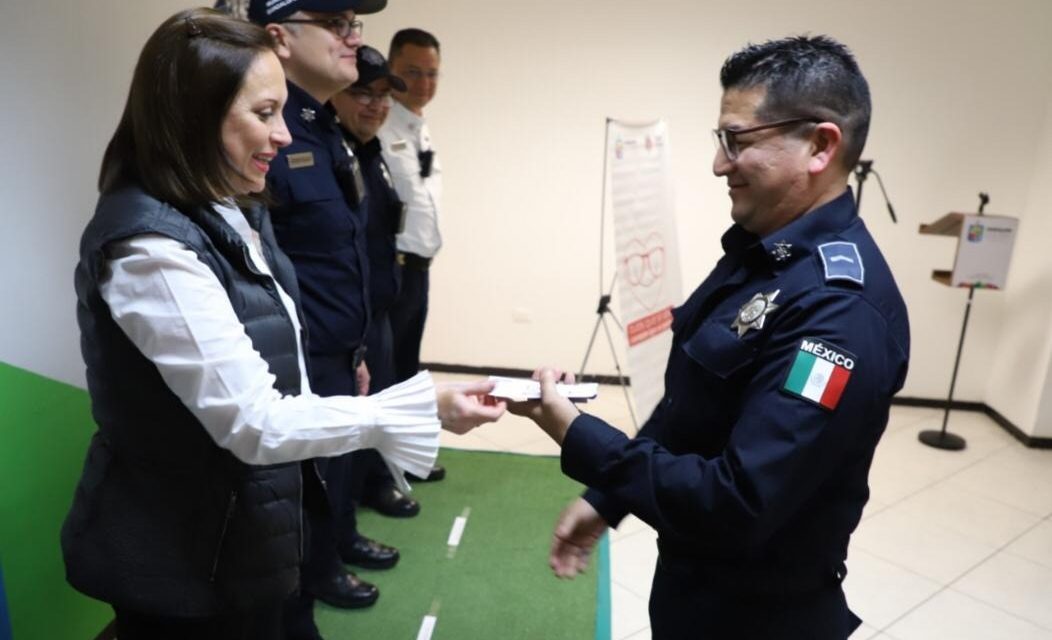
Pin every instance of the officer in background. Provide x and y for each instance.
(753, 468)
(415, 57)
(319, 220)
(362, 110)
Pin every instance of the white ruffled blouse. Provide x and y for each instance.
(174, 309)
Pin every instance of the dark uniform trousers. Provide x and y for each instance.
(686, 604)
(333, 376)
(409, 313)
(385, 214)
(368, 472)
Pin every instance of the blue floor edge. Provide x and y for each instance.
(602, 608)
(5, 621)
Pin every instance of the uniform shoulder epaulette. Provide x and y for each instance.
(842, 261)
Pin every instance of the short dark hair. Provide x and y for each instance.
(168, 140)
(417, 37)
(806, 77)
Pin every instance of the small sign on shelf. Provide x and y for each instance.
(984, 249)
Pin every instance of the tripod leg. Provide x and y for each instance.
(613, 317)
(588, 351)
(620, 376)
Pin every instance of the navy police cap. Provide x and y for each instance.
(372, 66)
(268, 11)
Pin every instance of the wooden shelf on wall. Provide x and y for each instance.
(948, 225)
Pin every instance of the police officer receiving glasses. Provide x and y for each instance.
(753, 467)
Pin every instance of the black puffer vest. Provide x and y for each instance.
(164, 521)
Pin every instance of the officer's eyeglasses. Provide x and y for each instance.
(366, 98)
(727, 139)
(341, 27)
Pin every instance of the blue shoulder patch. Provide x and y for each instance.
(842, 262)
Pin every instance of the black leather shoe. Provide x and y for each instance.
(345, 591)
(437, 473)
(392, 502)
(369, 554)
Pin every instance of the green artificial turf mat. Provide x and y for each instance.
(497, 583)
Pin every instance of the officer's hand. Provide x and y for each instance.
(552, 412)
(576, 533)
(462, 406)
(362, 377)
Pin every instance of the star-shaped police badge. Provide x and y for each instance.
(308, 114)
(753, 312)
(781, 251)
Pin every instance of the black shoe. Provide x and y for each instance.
(369, 554)
(437, 473)
(392, 502)
(345, 591)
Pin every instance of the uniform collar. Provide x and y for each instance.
(303, 111)
(364, 150)
(797, 239)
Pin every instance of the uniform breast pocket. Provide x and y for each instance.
(704, 387)
(719, 351)
(316, 218)
(401, 161)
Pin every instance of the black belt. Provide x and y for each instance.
(754, 580)
(413, 261)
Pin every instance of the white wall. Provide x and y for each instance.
(1022, 367)
(65, 69)
(961, 96)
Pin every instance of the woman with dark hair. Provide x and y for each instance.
(187, 518)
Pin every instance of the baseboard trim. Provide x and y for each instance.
(905, 401)
(981, 407)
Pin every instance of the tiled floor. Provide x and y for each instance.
(953, 545)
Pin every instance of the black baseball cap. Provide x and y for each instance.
(268, 11)
(372, 66)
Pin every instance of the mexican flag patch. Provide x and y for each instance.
(819, 373)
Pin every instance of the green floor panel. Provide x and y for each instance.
(497, 584)
(46, 426)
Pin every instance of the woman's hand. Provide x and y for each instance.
(552, 412)
(462, 406)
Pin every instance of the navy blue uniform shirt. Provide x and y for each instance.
(320, 226)
(385, 213)
(738, 467)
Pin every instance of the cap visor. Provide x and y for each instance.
(396, 83)
(363, 7)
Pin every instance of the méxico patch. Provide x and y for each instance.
(820, 373)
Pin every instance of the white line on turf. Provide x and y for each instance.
(459, 524)
(427, 625)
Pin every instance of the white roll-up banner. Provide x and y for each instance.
(648, 271)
